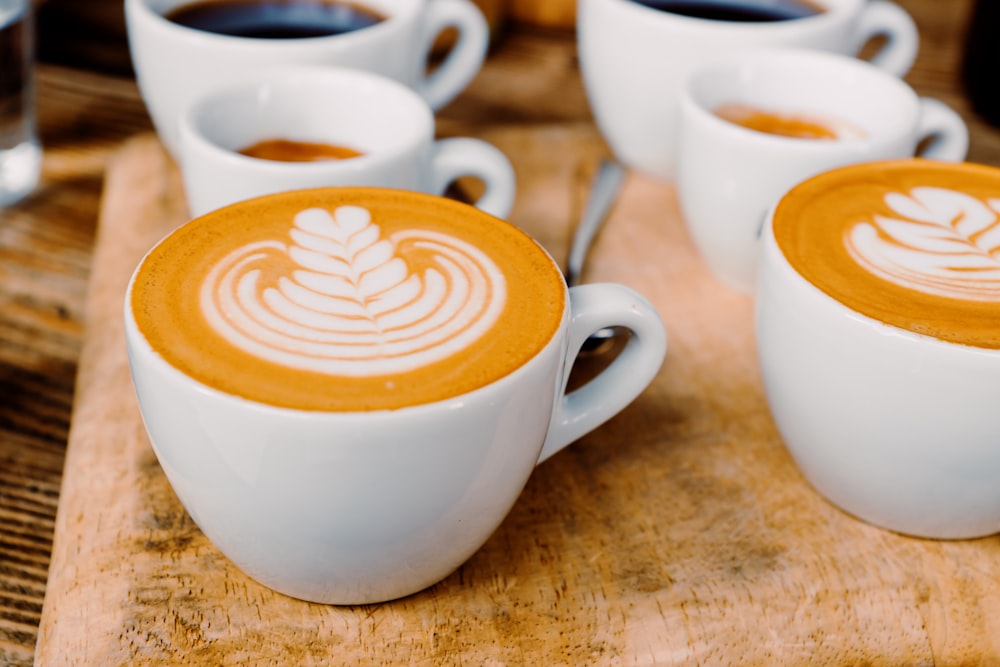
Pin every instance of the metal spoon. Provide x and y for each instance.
(603, 193)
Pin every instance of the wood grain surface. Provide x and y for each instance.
(724, 558)
(678, 530)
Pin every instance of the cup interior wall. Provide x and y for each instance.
(856, 93)
(368, 118)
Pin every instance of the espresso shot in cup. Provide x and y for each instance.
(296, 127)
(878, 333)
(635, 56)
(349, 387)
(182, 49)
(754, 125)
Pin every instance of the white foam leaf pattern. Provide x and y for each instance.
(945, 243)
(349, 304)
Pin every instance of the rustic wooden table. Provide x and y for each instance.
(89, 107)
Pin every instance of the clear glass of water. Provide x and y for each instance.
(20, 151)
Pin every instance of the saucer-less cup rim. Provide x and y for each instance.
(202, 121)
(763, 78)
(573, 344)
(779, 260)
(780, 263)
(295, 498)
(695, 24)
(156, 11)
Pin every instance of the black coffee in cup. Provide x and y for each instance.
(741, 11)
(275, 19)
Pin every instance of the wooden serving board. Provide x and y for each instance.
(680, 532)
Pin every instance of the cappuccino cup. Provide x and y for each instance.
(176, 62)
(878, 331)
(349, 393)
(741, 143)
(635, 57)
(380, 132)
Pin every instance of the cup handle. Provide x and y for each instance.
(466, 57)
(889, 20)
(947, 131)
(594, 307)
(463, 156)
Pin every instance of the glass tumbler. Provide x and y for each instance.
(20, 152)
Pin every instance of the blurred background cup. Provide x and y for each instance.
(878, 332)
(20, 152)
(755, 124)
(175, 63)
(300, 127)
(636, 54)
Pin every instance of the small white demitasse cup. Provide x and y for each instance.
(634, 58)
(878, 332)
(387, 123)
(730, 175)
(348, 388)
(175, 63)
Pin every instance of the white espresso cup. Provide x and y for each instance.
(348, 388)
(878, 329)
(634, 59)
(754, 125)
(175, 63)
(302, 111)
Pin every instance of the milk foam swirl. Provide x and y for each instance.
(945, 243)
(344, 301)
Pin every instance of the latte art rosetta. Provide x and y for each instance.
(344, 301)
(944, 242)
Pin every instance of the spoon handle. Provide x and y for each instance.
(603, 192)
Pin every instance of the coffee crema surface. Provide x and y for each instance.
(286, 150)
(786, 124)
(911, 243)
(738, 11)
(275, 19)
(348, 299)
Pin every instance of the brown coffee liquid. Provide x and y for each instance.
(302, 276)
(285, 150)
(905, 242)
(275, 19)
(739, 11)
(798, 126)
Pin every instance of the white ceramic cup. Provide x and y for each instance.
(898, 428)
(634, 60)
(174, 63)
(728, 175)
(366, 506)
(388, 123)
